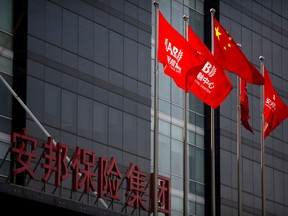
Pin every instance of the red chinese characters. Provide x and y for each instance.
(55, 160)
(85, 169)
(21, 144)
(87, 159)
(136, 187)
(109, 178)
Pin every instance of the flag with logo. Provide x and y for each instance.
(180, 61)
(231, 58)
(244, 106)
(212, 84)
(275, 110)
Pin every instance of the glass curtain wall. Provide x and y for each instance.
(171, 121)
(6, 57)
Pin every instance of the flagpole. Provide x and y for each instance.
(239, 154)
(261, 58)
(156, 125)
(185, 150)
(213, 196)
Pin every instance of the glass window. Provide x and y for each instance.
(36, 19)
(192, 208)
(68, 111)
(53, 52)
(6, 65)
(176, 203)
(129, 133)
(35, 69)
(101, 45)
(200, 190)
(130, 31)
(6, 17)
(164, 107)
(177, 132)
(116, 24)
(85, 88)
(68, 82)
(143, 138)
(115, 51)
(177, 112)
(69, 59)
(85, 66)
(177, 94)
(164, 127)
(191, 137)
(52, 76)
(177, 182)
(101, 72)
(200, 121)
(5, 95)
(84, 120)
(35, 88)
(130, 58)
(163, 84)
(116, 80)
(70, 31)
(177, 16)
(53, 24)
(176, 157)
(100, 94)
(52, 105)
(200, 211)
(144, 57)
(115, 128)
(5, 40)
(86, 38)
(195, 104)
(100, 124)
(164, 153)
(199, 140)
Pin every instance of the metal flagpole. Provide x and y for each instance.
(239, 154)
(213, 196)
(261, 58)
(40, 125)
(185, 149)
(156, 125)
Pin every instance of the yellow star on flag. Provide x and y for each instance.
(217, 32)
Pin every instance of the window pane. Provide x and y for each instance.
(68, 111)
(164, 153)
(52, 105)
(100, 116)
(6, 15)
(84, 121)
(176, 157)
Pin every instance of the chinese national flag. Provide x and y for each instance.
(231, 58)
(275, 110)
(212, 84)
(244, 106)
(180, 61)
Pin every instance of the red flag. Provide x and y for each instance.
(231, 58)
(212, 84)
(244, 105)
(181, 62)
(275, 110)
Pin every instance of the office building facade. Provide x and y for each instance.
(84, 70)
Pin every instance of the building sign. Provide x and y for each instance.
(85, 170)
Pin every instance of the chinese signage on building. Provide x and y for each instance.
(100, 176)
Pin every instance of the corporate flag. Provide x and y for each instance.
(212, 84)
(244, 106)
(275, 110)
(180, 61)
(231, 58)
